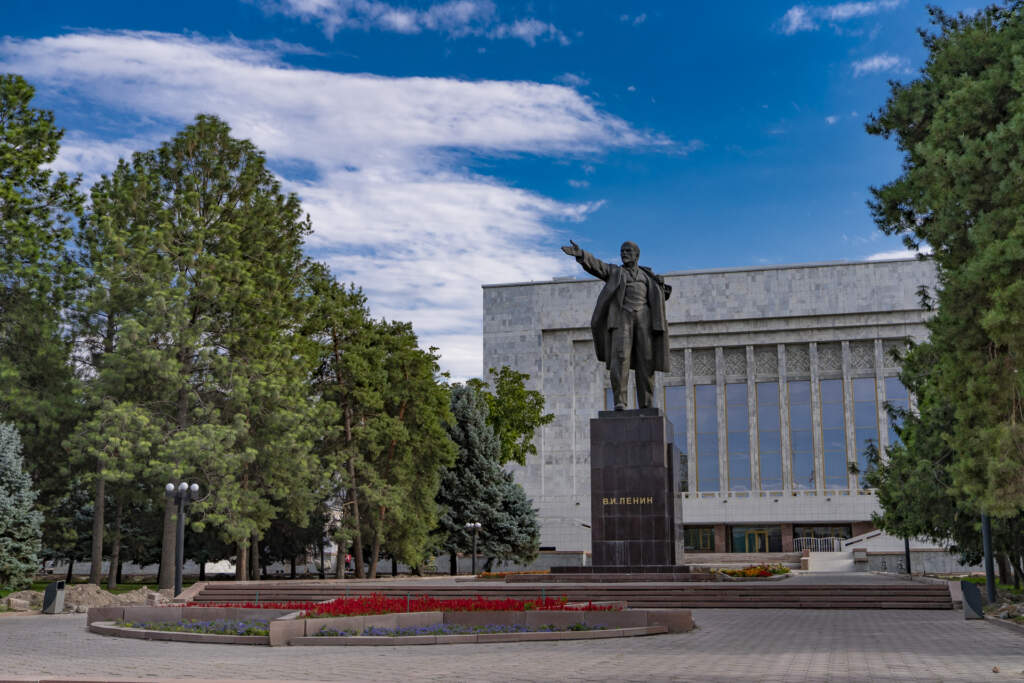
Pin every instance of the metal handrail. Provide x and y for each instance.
(829, 544)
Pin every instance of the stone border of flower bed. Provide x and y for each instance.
(289, 628)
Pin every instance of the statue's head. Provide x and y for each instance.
(630, 253)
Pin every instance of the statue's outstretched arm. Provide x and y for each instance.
(590, 263)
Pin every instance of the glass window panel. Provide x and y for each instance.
(799, 392)
(706, 404)
(739, 442)
(894, 389)
(736, 393)
(803, 470)
(802, 442)
(769, 442)
(771, 471)
(836, 471)
(832, 416)
(865, 414)
(736, 416)
(768, 393)
(832, 391)
(834, 440)
(768, 417)
(800, 418)
(864, 389)
(739, 471)
(675, 411)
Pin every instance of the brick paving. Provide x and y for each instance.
(729, 645)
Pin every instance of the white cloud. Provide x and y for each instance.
(382, 160)
(455, 18)
(572, 79)
(631, 88)
(804, 18)
(636, 21)
(882, 62)
(579, 183)
(831, 120)
(899, 254)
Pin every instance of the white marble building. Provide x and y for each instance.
(779, 377)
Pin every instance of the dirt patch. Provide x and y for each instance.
(34, 598)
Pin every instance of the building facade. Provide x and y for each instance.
(779, 379)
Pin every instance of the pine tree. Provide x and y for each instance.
(476, 489)
(20, 531)
(960, 127)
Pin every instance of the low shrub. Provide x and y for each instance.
(756, 570)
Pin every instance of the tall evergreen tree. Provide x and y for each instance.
(960, 127)
(38, 279)
(476, 489)
(20, 531)
(194, 305)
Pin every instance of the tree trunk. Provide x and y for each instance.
(293, 566)
(96, 558)
(453, 563)
(1004, 568)
(167, 547)
(241, 561)
(120, 567)
(374, 554)
(202, 570)
(71, 570)
(357, 540)
(394, 567)
(115, 548)
(254, 558)
(339, 564)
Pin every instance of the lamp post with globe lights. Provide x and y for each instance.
(183, 494)
(475, 528)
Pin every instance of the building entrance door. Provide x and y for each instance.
(756, 541)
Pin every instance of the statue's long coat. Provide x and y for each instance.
(608, 310)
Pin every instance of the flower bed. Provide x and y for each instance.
(457, 630)
(376, 603)
(222, 627)
(756, 571)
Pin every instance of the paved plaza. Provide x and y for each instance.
(729, 645)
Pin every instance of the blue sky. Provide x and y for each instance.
(442, 145)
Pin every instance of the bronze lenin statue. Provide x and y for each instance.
(629, 325)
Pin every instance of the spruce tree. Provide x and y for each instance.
(20, 530)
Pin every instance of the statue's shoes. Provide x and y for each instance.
(620, 406)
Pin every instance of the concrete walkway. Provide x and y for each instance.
(729, 645)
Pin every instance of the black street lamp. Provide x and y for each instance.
(183, 495)
(475, 527)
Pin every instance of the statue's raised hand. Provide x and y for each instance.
(573, 250)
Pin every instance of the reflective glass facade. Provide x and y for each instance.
(769, 435)
(706, 409)
(833, 434)
(738, 436)
(800, 438)
(675, 411)
(865, 421)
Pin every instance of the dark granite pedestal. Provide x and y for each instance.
(633, 493)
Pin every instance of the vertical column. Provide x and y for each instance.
(755, 453)
(723, 445)
(819, 456)
(691, 422)
(851, 432)
(787, 447)
(883, 417)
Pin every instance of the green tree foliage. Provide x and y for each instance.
(38, 280)
(20, 531)
(196, 293)
(476, 489)
(514, 412)
(960, 126)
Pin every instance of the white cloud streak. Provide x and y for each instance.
(831, 120)
(879, 63)
(383, 160)
(807, 18)
(455, 18)
(900, 254)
